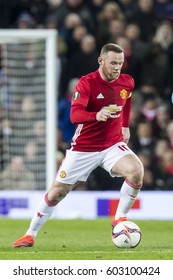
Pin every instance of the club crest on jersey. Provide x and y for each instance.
(123, 93)
(62, 174)
(75, 95)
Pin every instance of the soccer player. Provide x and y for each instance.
(101, 109)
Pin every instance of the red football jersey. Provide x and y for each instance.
(92, 94)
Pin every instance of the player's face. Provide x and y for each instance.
(110, 65)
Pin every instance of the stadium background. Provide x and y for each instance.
(144, 28)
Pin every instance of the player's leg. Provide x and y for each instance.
(43, 212)
(131, 168)
(76, 167)
(120, 160)
(45, 209)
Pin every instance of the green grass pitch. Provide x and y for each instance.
(85, 240)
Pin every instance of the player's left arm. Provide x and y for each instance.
(127, 109)
(126, 134)
(126, 120)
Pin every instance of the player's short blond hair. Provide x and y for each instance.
(111, 47)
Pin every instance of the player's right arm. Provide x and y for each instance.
(103, 115)
(79, 115)
(78, 112)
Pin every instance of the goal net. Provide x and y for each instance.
(27, 109)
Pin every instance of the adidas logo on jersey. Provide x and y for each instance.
(100, 96)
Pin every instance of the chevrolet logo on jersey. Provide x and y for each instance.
(113, 108)
(123, 93)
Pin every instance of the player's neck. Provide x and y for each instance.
(106, 79)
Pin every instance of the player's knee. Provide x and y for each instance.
(62, 191)
(137, 173)
(58, 191)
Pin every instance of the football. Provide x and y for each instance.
(126, 235)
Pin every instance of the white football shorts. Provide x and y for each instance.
(77, 166)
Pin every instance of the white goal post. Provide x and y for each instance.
(45, 85)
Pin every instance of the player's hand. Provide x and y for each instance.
(126, 134)
(103, 115)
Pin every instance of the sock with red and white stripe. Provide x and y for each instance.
(128, 194)
(43, 213)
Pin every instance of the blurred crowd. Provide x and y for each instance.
(144, 28)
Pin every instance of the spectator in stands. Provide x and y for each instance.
(134, 120)
(145, 91)
(27, 115)
(31, 155)
(53, 6)
(11, 10)
(146, 19)
(75, 6)
(162, 118)
(70, 22)
(37, 9)
(65, 127)
(25, 21)
(85, 60)
(147, 160)
(50, 22)
(138, 49)
(164, 171)
(31, 151)
(164, 9)
(95, 7)
(61, 66)
(144, 138)
(155, 59)
(35, 162)
(16, 176)
(7, 128)
(168, 162)
(110, 23)
(72, 33)
(116, 28)
(77, 35)
(163, 180)
(28, 106)
(6, 139)
(164, 36)
(149, 109)
(128, 7)
(39, 132)
(162, 146)
(169, 133)
(39, 137)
